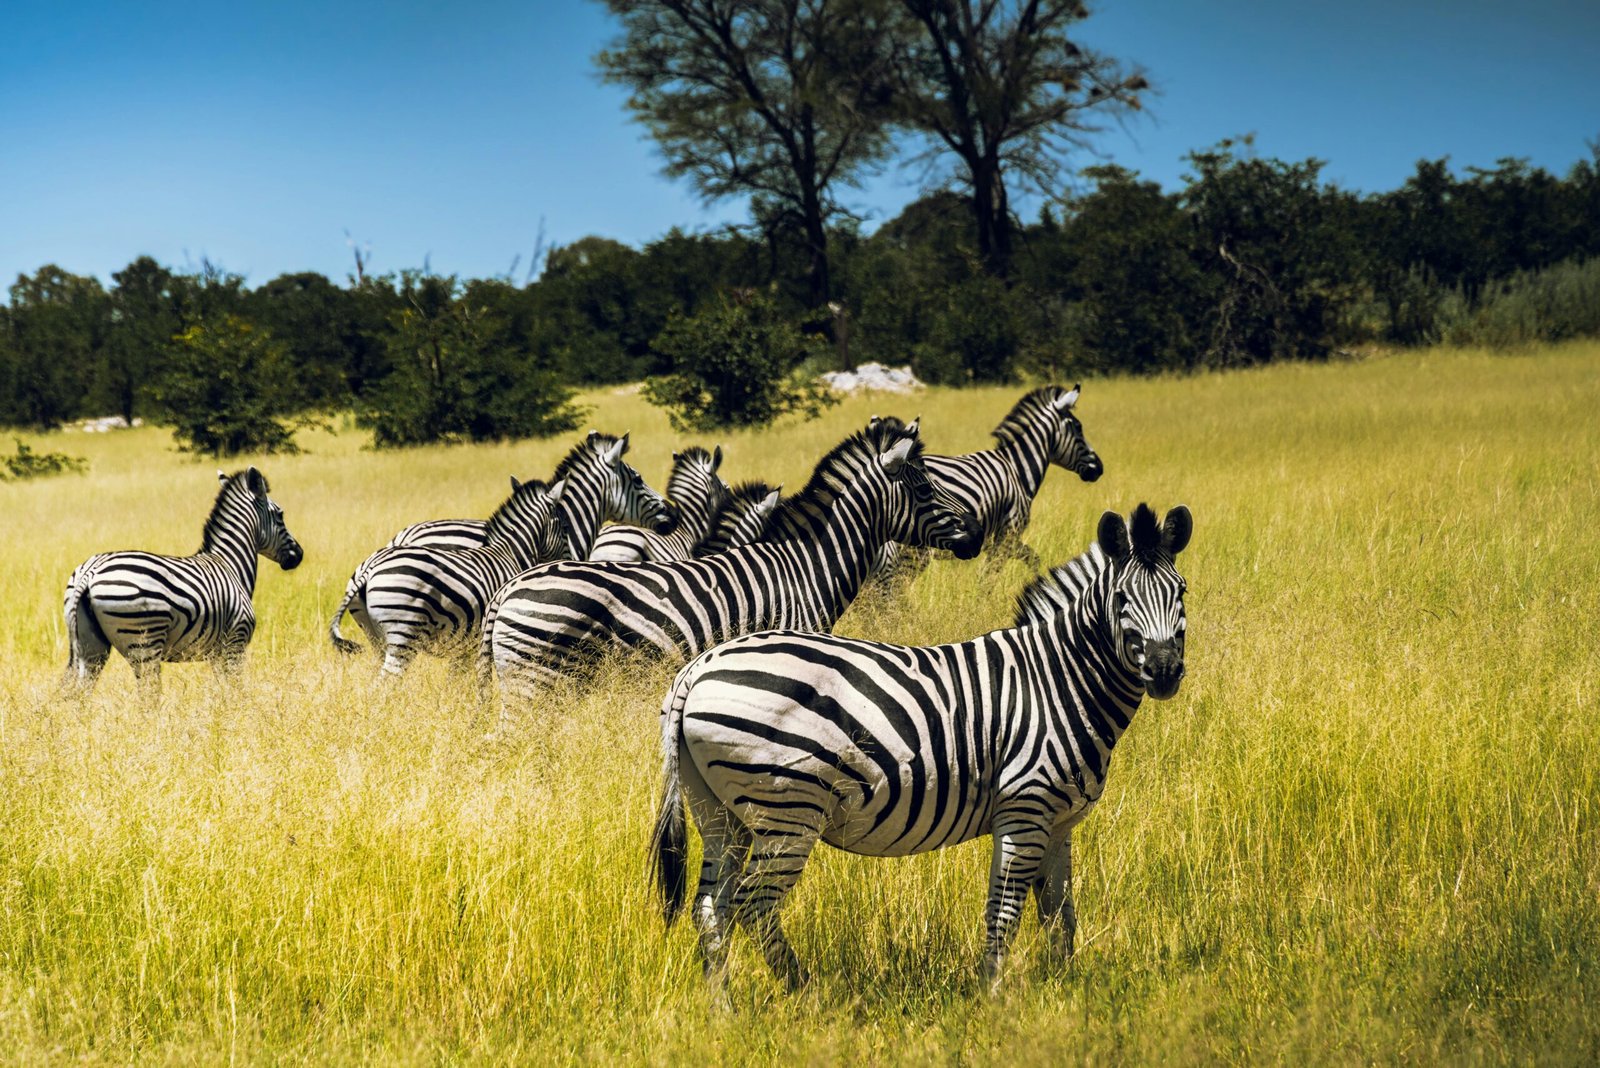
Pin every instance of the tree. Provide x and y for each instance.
(311, 316)
(733, 366)
(226, 389)
(145, 316)
(452, 379)
(1001, 86)
(58, 330)
(779, 100)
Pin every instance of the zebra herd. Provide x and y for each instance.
(775, 734)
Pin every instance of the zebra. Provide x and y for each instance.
(999, 484)
(153, 608)
(819, 545)
(743, 518)
(698, 493)
(783, 738)
(431, 598)
(599, 486)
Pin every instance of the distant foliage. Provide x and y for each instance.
(1554, 304)
(734, 365)
(453, 376)
(225, 390)
(26, 464)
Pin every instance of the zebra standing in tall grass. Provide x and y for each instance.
(783, 739)
(999, 484)
(153, 608)
(698, 493)
(600, 486)
(818, 548)
(427, 598)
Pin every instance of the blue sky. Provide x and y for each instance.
(257, 134)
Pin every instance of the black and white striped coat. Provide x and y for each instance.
(743, 519)
(153, 608)
(696, 491)
(782, 739)
(600, 486)
(556, 619)
(999, 484)
(427, 598)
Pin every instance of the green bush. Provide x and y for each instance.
(29, 464)
(1554, 304)
(453, 378)
(226, 388)
(733, 365)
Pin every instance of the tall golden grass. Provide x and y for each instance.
(1365, 831)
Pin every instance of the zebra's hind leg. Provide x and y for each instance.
(87, 654)
(1053, 891)
(1014, 867)
(776, 861)
(724, 845)
(147, 674)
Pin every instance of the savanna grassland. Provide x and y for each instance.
(1367, 830)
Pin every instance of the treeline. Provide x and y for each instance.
(1252, 260)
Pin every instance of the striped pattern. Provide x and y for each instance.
(743, 518)
(783, 739)
(427, 598)
(556, 619)
(999, 484)
(153, 608)
(697, 492)
(600, 486)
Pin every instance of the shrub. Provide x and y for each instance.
(453, 378)
(226, 389)
(734, 365)
(29, 464)
(974, 336)
(1554, 304)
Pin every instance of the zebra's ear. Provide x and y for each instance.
(256, 481)
(1175, 530)
(716, 457)
(769, 502)
(515, 485)
(894, 458)
(911, 428)
(618, 447)
(1069, 399)
(222, 476)
(1113, 537)
(553, 494)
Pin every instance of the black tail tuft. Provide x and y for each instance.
(670, 849)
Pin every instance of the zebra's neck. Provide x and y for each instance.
(1026, 447)
(230, 536)
(1105, 691)
(585, 504)
(842, 525)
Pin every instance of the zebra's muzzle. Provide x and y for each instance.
(1091, 468)
(666, 520)
(291, 556)
(1162, 671)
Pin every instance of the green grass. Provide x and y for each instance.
(1368, 829)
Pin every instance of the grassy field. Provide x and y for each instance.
(1368, 829)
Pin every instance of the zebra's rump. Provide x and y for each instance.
(184, 607)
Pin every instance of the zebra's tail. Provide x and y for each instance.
(669, 861)
(340, 642)
(76, 614)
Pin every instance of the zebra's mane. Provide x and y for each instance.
(740, 499)
(594, 444)
(502, 515)
(1060, 588)
(825, 478)
(214, 520)
(1021, 415)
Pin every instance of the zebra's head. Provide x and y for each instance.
(531, 518)
(920, 511)
(694, 486)
(1048, 417)
(1146, 609)
(629, 499)
(742, 520)
(248, 489)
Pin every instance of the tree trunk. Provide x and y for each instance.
(992, 212)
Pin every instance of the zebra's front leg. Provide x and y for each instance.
(1053, 892)
(1018, 851)
(1010, 546)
